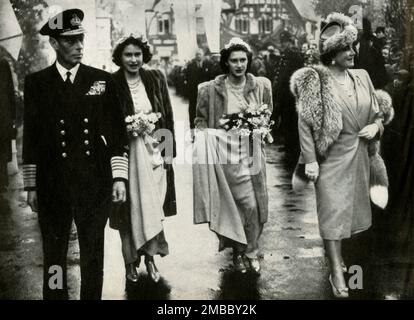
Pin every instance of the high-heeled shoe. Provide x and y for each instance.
(341, 293)
(152, 270)
(344, 268)
(131, 273)
(254, 264)
(239, 265)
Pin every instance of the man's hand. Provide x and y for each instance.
(118, 192)
(32, 200)
(369, 131)
(312, 170)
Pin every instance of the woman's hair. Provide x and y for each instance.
(123, 43)
(226, 52)
(327, 57)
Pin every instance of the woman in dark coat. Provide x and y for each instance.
(7, 102)
(151, 177)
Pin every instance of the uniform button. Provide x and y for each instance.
(63, 132)
(86, 120)
(64, 155)
(86, 131)
(86, 142)
(88, 153)
(62, 121)
(63, 144)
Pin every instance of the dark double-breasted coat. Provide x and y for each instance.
(74, 146)
(71, 135)
(283, 100)
(195, 75)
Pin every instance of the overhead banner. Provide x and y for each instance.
(211, 12)
(11, 35)
(185, 27)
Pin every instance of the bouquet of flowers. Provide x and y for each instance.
(251, 121)
(141, 124)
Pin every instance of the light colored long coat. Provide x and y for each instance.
(342, 189)
(211, 105)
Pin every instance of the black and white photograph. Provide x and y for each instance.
(207, 150)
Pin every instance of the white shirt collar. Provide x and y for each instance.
(62, 71)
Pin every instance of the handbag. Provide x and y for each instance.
(299, 179)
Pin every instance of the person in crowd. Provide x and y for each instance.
(380, 38)
(370, 56)
(271, 61)
(340, 120)
(395, 251)
(151, 191)
(304, 48)
(7, 111)
(197, 72)
(214, 68)
(284, 102)
(232, 197)
(258, 67)
(177, 78)
(311, 57)
(73, 136)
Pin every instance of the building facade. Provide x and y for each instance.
(260, 21)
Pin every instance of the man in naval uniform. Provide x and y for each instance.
(74, 156)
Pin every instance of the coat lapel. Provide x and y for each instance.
(347, 103)
(250, 88)
(221, 90)
(153, 89)
(81, 81)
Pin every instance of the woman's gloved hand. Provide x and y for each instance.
(312, 171)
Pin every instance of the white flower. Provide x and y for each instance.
(244, 132)
(223, 121)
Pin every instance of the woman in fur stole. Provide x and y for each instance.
(341, 118)
(231, 197)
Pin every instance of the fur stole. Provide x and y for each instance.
(312, 88)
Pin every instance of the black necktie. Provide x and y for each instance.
(67, 81)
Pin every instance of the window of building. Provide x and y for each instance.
(265, 24)
(242, 25)
(164, 25)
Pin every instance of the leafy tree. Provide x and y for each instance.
(395, 15)
(28, 14)
(324, 7)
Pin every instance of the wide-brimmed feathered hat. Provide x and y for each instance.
(338, 33)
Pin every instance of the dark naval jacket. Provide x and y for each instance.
(73, 135)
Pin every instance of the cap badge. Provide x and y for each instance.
(75, 21)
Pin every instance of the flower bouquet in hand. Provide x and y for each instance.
(141, 124)
(253, 120)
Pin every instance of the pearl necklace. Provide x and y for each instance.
(134, 85)
(236, 86)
